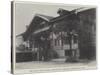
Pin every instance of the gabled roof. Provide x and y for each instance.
(35, 24)
(75, 11)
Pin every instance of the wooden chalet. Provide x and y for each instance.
(71, 34)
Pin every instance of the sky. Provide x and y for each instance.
(24, 13)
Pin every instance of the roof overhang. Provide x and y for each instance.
(41, 30)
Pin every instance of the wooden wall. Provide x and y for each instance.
(87, 33)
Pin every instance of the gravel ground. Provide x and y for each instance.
(53, 66)
(53, 63)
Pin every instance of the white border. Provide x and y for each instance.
(47, 69)
(5, 36)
